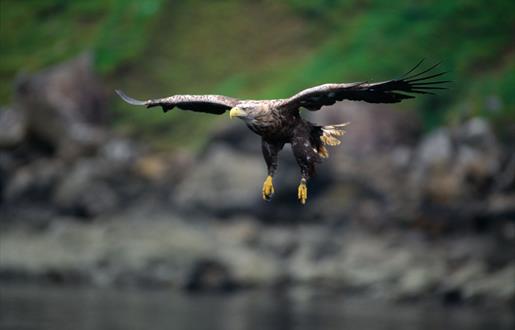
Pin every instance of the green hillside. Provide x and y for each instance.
(264, 49)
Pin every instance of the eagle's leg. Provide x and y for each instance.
(306, 157)
(270, 152)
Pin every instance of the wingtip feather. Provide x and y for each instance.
(414, 68)
(129, 99)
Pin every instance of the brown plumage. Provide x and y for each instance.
(279, 122)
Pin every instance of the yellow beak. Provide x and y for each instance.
(237, 112)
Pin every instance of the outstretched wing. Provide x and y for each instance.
(215, 104)
(391, 91)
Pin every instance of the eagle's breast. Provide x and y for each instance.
(272, 124)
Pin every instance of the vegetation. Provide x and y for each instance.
(266, 49)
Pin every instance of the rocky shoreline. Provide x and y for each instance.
(211, 255)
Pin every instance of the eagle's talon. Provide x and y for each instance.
(302, 193)
(268, 188)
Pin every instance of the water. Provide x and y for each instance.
(50, 308)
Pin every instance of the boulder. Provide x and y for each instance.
(35, 181)
(454, 165)
(222, 181)
(209, 275)
(65, 106)
(87, 189)
(13, 127)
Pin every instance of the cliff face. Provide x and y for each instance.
(393, 212)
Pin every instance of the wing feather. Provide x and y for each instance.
(214, 104)
(390, 91)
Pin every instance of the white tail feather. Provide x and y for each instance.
(330, 134)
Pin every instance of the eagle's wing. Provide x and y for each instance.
(391, 91)
(215, 104)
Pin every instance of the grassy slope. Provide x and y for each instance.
(382, 38)
(210, 48)
(153, 47)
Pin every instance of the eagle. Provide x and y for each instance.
(279, 121)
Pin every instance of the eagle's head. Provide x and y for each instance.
(248, 112)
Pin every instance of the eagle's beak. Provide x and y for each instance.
(237, 112)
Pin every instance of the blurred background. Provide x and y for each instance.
(118, 217)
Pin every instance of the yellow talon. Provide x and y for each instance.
(268, 188)
(302, 192)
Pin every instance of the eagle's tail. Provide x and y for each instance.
(329, 136)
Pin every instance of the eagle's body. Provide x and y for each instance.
(279, 122)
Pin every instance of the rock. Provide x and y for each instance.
(35, 181)
(456, 165)
(153, 167)
(164, 168)
(499, 285)
(416, 282)
(119, 151)
(65, 106)
(478, 132)
(222, 181)
(86, 186)
(13, 127)
(435, 149)
(502, 205)
(251, 267)
(280, 241)
(209, 275)
(242, 230)
(478, 156)
(85, 190)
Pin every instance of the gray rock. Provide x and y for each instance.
(453, 166)
(222, 181)
(13, 127)
(477, 131)
(36, 180)
(65, 106)
(435, 149)
(209, 275)
(500, 285)
(417, 282)
(478, 156)
(119, 151)
(85, 189)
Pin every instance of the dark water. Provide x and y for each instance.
(24, 307)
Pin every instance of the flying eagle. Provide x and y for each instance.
(279, 121)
